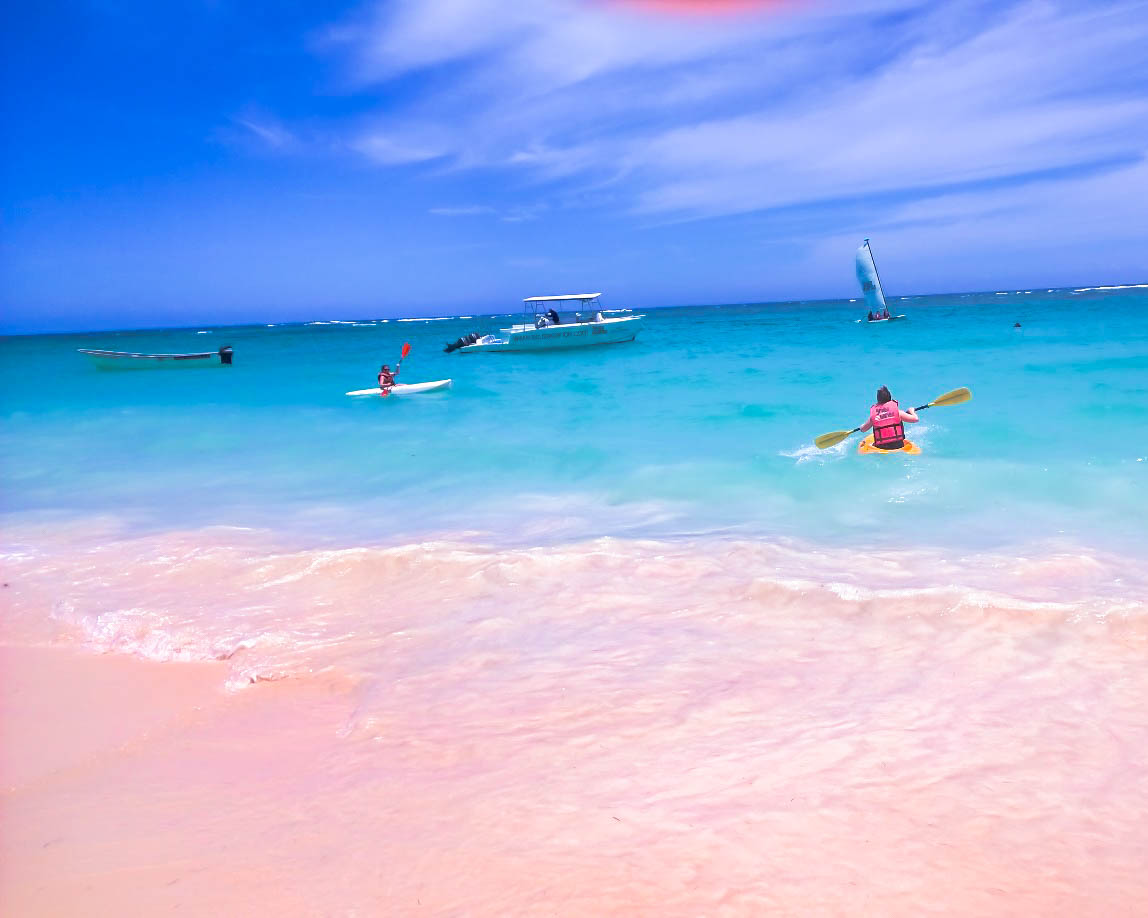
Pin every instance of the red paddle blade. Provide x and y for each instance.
(406, 348)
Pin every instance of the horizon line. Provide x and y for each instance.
(1101, 288)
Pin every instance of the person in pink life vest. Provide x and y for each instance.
(887, 419)
(386, 377)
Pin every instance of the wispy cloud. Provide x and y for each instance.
(396, 147)
(515, 214)
(472, 210)
(688, 117)
(268, 133)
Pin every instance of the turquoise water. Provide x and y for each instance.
(703, 425)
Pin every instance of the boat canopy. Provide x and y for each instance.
(566, 296)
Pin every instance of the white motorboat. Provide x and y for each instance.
(127, 360)
(543, 328)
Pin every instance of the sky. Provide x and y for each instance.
(213, 161)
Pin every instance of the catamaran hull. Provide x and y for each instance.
(561, 337)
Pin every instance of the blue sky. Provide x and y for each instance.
(201, 161)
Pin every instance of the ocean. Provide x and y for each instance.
(604, 627)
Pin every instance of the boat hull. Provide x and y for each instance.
(866, 448)
(560, 337)
(125, 360)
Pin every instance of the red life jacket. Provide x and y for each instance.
(888, 431)
(386, 379)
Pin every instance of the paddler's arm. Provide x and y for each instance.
(864, 427)
(910, 415)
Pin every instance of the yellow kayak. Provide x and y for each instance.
(867, 448)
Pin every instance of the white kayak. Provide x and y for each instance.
(407, 388)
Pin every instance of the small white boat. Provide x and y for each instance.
(126, 360)
(407, 388)
(870, 282)
(543, 329)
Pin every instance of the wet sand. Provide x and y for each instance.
(993, 783)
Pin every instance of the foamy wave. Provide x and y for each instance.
(811, 453)
(431, 319)
(1111, 287)
(367, 611)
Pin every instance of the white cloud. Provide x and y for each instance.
(471, 210)
(687, 117)
(269, 133)
(390, 150)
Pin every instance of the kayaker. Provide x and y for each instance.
(386, 377)
(887, 420)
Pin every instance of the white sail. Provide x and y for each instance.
(868, 279)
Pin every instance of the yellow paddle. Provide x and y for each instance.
(956, 397)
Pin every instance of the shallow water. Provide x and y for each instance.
(703, 424)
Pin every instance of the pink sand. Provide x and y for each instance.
(657, 730)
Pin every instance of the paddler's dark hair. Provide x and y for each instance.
(883, 395)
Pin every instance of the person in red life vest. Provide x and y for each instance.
(386, 377)
(887, 419)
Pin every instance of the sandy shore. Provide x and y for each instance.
(145, 788)
(133, 787)
(619, 728)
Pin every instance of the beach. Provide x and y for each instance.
(587, 634)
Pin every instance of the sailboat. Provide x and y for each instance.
(870, 282)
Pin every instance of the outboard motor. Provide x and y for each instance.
(464, 341)
(225, 355)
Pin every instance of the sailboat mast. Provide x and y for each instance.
(880, 286)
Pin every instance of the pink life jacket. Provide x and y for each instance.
(888, 431)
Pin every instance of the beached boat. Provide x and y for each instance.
(543, 328)
(127, 360)
(870, 282)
